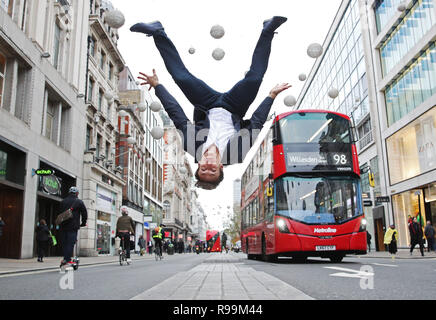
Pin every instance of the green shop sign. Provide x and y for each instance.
(43, 172)
(51, 184)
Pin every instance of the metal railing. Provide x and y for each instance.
(365, 140)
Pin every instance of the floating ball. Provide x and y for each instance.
(142, 107)
(302, 77)
(314, 50)
(290, 101)
(115, 19)
(218, 54)
(217, 31)
(131, 140)
(402, 7)
(155, 106)
(333, 93)
(157, 133)
(108, 95)
(191, 50)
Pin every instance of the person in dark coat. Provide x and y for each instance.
(226, 137)
(150, 247)
(429, 235)
(2, 224)
(141, 244)
(416, 236)
(368, 240)
(70, 227)
(42, 239)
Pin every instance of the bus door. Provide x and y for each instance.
(269, 217)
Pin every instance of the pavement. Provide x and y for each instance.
(223, 277)
(10, 266)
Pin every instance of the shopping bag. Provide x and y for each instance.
(53, 240)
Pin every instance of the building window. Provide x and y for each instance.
(110, 71)
(92, 44)
(100, 100)
(384, 11)
(88, 137)
(56, 46)
(406, 35)
(365, 134)
(91, 86)
(102, 60)
(2, 77)
(98, 146)
(8, 6)
(49, 123)
(413, 87)
(412, 150)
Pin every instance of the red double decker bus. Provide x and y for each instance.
(301, 192)
(213, 241)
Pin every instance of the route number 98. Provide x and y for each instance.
(340, 158)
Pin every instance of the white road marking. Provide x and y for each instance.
(385, 265)
(353, 274)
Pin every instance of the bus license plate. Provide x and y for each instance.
(325, 248)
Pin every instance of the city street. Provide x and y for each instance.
(232, 277)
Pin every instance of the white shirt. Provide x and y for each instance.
(221, 129)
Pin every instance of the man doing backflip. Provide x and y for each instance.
(219, 114)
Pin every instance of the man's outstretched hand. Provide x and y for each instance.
(278, 88)
(153, 80)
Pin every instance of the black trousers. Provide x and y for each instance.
(430, 242)
(125, 242)
(42, 248)
(414, 242)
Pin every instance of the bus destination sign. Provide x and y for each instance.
(338, 160)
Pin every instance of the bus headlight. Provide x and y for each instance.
(362, 225)
(281, 225)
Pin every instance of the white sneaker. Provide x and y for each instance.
(129, 260)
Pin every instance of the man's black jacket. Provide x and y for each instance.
(79, 210)
(195, 134)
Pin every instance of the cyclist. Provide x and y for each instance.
(125, 227)
(158, 235)
(70, 227)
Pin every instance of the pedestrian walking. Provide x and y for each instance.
(391, 238)
(70, 226)
(368, 240)
(2, 224)
(42, 239)
(150, 247)
(416, 236)
(429, 233)
(141, 244)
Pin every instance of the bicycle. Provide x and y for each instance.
(157, 253)
(123, 253)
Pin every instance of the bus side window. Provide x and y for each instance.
(270, 212)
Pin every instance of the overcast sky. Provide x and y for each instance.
(188, 24)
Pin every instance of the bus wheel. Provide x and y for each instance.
(336, 258)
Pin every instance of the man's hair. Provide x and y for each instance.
(209, 185)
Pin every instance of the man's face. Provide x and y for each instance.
(209, 167)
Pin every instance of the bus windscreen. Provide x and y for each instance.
(310, 127)
(318, 200)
